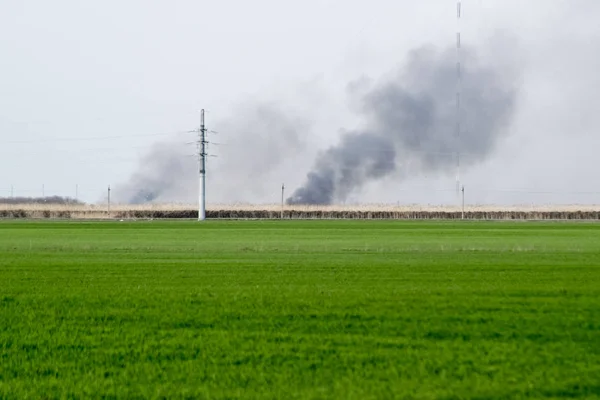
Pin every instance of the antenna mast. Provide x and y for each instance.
(202, 158)
(458, 94)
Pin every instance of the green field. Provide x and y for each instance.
(299, 309)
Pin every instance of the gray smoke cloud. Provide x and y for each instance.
(409, 115)
(163, 174)
(258, 138)
(413, 114)
(359, 157)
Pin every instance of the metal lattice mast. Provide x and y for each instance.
(458, 94)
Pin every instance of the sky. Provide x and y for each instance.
(92, 94)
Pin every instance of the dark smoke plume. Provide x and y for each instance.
(359, 157)
(414, 115)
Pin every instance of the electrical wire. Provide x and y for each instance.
(85, 139)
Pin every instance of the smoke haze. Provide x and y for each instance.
(164, 173)
(413, 114)
(408, 115)
(265, 136)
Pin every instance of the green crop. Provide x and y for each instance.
(299, 310)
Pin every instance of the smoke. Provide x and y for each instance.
(413, 115)
(166, 172)
(410, 115)
(359, 157)
(255, 140)
(262, 141)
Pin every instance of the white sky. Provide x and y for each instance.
(112, 75)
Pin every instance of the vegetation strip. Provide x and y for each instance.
(124, 213)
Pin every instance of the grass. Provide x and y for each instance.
(299, 310)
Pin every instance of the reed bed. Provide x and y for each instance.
(274, 211)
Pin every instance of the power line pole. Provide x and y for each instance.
(202, 159)
(108, 201)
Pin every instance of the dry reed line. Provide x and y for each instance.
(182, 211)
(175, 207)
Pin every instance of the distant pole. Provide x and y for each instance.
(77, 192)
(108, 201)
(43, 190)
(202, 157)
(12, 191)
(282, 196)
(463, 203)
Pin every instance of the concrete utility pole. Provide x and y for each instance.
(202, 159)
(108, 201)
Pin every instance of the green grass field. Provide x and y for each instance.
(299, 310)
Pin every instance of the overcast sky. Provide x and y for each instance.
(86, 88)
